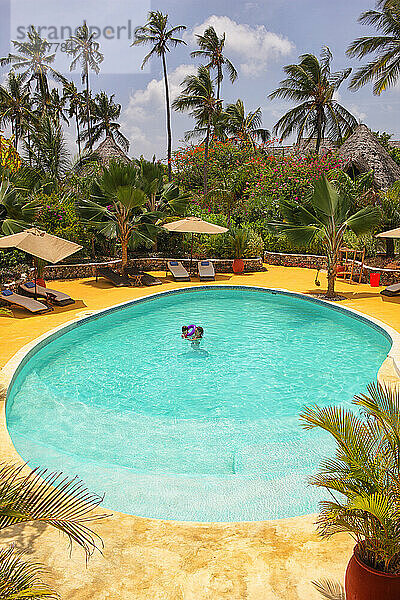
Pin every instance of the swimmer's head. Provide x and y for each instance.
(200, 330)
(184, 328)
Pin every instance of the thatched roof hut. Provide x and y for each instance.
(109, 150)
(362, 153)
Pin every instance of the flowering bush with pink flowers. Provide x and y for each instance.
(58, 216)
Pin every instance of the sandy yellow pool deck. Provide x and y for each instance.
(146, 559)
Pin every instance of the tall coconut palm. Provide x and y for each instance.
(85, 51)
(34, 61)
(327, 217)
(53, 105)
(48, 153)
(319, 114)
(75, 103)
(104, 120)
(384, 68)
(198, 97)
(117, 208)
(212, 50)
(156, 33)
(16, 105)
(245, 127)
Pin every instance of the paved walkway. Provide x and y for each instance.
(147, 559)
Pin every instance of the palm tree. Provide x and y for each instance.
(21, 579)
(156, 33)
(85, 51)
(53, 105)
(245, 127)
(42, 497)
(313, 85)
(118, 208)
(212, 49)
(48, 153)
(162, 198)
(363, 477)
(34, 60)
(229, 190)
(75, 102)
(326, 217)
(17, 211)
(198, 97)
(15, 105)
(384, 69)
(104, 120)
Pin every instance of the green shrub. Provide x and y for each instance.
(58, 216)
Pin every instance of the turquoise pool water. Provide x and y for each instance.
(209, 434)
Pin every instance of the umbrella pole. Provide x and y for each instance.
(191, 256)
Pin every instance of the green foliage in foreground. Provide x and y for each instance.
(363, 478)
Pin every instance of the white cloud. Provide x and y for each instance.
(143, 120)
(254, 47)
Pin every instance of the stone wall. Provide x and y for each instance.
(79, 271)
(313, 261)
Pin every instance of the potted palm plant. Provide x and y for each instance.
(239, 240)
(364, 484)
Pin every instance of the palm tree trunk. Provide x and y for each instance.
(88, 108)
(219, 79)
(168, 109)
(205, 167)
(332, 263)
(319, 132)
(124, 245)
(78, 131)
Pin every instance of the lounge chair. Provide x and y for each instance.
(178, 271)
(391, 290)
(53, 296)
(24, 302)
(206, 270)
(116, 278)
(142, 277)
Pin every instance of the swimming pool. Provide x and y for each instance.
(209, 434)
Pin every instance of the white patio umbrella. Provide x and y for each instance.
(391, 233)
(194, 225)
(40, 244)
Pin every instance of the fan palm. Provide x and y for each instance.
(327, 217)
(384, 68)
(17, 211)
(85, 51)
(104, 120)
(198, 97)
(15, 105)
(319, 114)
(212, 50)
(161, 197)
(363, 477)
(157, 34)
(118, 208)
(245, 127)
(34, 61)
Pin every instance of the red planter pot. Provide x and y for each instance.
(41, 282)
(364, 583)
(238, 266)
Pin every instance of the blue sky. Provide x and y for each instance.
(262, 37)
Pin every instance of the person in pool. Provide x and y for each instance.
(184, 331)
(198, 334)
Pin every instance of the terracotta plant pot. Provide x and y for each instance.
(238, 266)
(364, 583)
(40, 281)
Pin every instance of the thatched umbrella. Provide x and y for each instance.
(194, 225)
(40, 244)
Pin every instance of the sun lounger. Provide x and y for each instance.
(24, 302)
(206, 270)
(391, 290)
(178, 271)
(142, 277)
(116, 278)
(53, 296)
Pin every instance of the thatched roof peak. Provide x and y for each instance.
(363, 152)
(109, 150)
